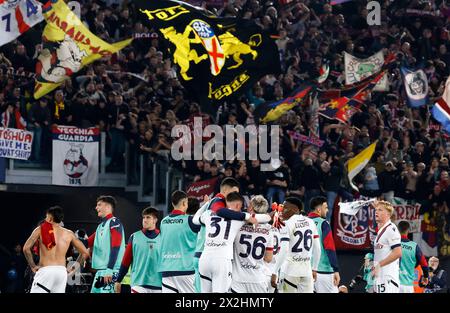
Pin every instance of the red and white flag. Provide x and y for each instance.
(18, 16)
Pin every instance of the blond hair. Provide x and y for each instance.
(259, 204)
(386, 205)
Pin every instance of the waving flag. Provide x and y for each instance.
(272, 111)
(18, 16)
(218, 58)
(357, 69)
(416, 86)
(356, 164)
(324, 72)
(68, 46)
(441, 109)
(342, 108)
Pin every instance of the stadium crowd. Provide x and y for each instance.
(136, 98)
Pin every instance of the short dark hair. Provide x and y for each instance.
(403, 227)
(295, 201)
(229, 182)
(150, 211)
(316, 201)
(57, 213)
(235, 196)
(108, 199)
(193, 205)
(177, 196)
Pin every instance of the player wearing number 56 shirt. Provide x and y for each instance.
(387, 250)
(253, 250)
(215, 262)
(299, 255)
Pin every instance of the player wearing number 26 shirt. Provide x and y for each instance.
(215, 264)
(300, 250)
(253, 250)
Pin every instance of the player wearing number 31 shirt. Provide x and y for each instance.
(215, 263)
(300, 250)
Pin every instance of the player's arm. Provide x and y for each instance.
(396, 252)
(116, 240)
(422, 261)
(28, 246)
(125, 265)
(84, 253)
(260, 218)
(330, 249)
(268, 254)
(221, 210)
(282, 254)
(91, 240)
(316, 252)
(197, 218)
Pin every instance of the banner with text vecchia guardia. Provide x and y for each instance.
(75, 156)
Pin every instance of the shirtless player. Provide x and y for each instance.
(54, 241)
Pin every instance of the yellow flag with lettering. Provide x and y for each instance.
(68, 46)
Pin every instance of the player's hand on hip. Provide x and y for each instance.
(273, 281)
(117, 287)
(314, 273)
(108, 279)
(336, 278)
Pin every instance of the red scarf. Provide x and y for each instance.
(48, 236)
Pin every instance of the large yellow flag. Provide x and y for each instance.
(356, 164)
(68, 46)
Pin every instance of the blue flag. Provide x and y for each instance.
(416, 86)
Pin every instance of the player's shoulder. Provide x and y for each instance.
(67, 231)
(115, 220)
(392, 228)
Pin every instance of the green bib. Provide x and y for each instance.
(144, 268)
(324, 263)
(408, 263)
(178, 243)
(102, 247)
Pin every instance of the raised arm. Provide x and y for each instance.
(196, 219)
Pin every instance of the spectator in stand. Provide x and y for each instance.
(330, 178)
(39, 122)
(277, 182)
(310, 182)
(12, 118)
(388, 181)
(438, 277)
